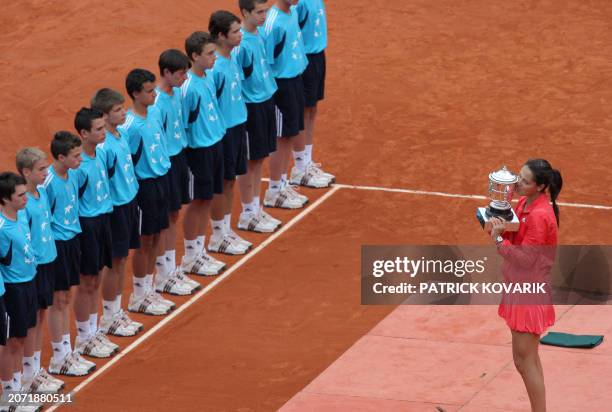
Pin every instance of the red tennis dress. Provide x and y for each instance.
(521, 250)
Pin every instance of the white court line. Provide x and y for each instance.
(455, 195)
(201, 293)
(443, 194)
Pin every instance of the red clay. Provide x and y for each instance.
(426, 95)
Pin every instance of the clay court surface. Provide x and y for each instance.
(421, 95)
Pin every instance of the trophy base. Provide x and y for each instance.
(512, 225)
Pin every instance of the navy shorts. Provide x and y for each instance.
(314, 79)
(234, 152)
(261, 129)
(67, 264)
(205, 171)
(4, 322)
(289, 101)
(178, 182)
(45, 284)
(96, 244)
(21, 300)
(152, 201)
(124, 229)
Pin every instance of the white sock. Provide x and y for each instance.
(227, 219)
(7, 386)
(247, 208)
(218, 227)
(274, 186)
(37, 361)
(283, 180)
(171, 259)
(93, 323)
(58, 351)
(139, 287)
(191, 248)
(160, 265)
(300, 160)
(148, 283)
(83, 330)
(201, 242)
(308, 156)
(117, 304)
(17, 381)
(255, 203)
(66, 344)
(28, 367)
(108, 309)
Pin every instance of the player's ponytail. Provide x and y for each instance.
(544, 174)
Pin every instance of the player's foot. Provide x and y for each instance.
(25, 407)
(240, 240)
(147, 305)
(202, 264)
(128, 321)
(182, 277)
(71, 365)
(92, 347)
(102, 339)
(39, 384)
(116, 326)
(284, 199)
(310, 177)
(172, 285)
(270, 218)
(317, 169)
(168, 303)
(226, 244)
(253, 222)
(57, 383)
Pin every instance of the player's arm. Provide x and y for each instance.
(274, 41)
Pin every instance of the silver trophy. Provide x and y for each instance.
(501, 190)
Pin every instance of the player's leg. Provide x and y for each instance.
(528, 364)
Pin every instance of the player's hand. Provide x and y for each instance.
(498, 226)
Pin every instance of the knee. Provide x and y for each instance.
(522, 362)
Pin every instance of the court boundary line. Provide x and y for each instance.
(199, 295)
(457, 195)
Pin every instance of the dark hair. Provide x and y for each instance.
(135, 80)
(173, 60)
(220, 23)
(84, 118)
(544, 174)
(249, 5)
(63, 142)
(105, 99)
(8, 182)
(195, 43)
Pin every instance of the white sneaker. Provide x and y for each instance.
(283, 199)
(159, 298)
(255, 223)
(270, 218)
(202, 264)
(172, 285)
(317, 169)
(39, 384)
(178, 274)
(226, 244)
(104, 340)
(238, 239)
(128, 321)
(310, 177)
(92, 347)
(57, 383)
(117, 326)
(147, 305)
(293, 191)
(70, 366)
